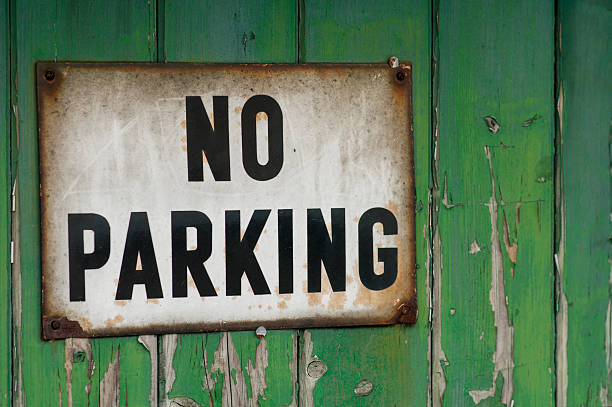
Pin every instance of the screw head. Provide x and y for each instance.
(400, 76)
(261, 332)
(49, 75)
(55, 325)
(393, 62)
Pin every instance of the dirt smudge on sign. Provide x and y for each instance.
(111, 322)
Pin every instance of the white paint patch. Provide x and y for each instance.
(502, 358)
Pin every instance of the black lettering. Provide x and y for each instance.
(387, 255)
(256, 104)
(183, 258)
(285, 251)
(332, 253)
(78, 260)
(201, 137)
(239, 256)
(138, 243)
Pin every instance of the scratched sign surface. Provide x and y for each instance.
(186, 198)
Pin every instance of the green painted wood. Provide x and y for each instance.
(585, 79)
(495, 59)
(79, 30)
(5, 210)
(394, 359)
(230, 31)
(233, 31)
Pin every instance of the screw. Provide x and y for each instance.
(49, 75)
(404, 309)
(393, 62)
(400, 75)
(261, 332)
(55, 325)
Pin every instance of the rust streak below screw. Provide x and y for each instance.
(49, 75)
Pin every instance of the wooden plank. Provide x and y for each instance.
(5, 209)
(394, 360)
(494, 199)
(584, 329)
(75, 372)
(237, 368)
(230, 31)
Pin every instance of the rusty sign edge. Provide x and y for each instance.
(60, 327)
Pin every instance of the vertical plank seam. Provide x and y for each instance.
(300, 31)
(8, 178)
(559, 380)
(436, 373)
(16, 365)
(160, 30)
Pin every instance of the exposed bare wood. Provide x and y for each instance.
(71, 347)
(227, 362)
(439, 360)
(150, 343)
(221, 364)
(502, 358)
(308, 380)
(19, 395)
(169, 343)
(257, 373)
(561, 318)
(110, 384)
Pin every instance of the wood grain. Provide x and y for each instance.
(488, 227)
(237, 368)
(494, 201)
(393, 359)
(585, 106)
(5, 209)
(81, 30)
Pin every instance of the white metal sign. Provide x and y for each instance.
(183, 198)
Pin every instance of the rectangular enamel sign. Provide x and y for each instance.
(205, 197)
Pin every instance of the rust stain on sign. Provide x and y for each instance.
(163, 185)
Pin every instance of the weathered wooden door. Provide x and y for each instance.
(512, 104)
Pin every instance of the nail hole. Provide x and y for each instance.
(49, 75)
(492, 124)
